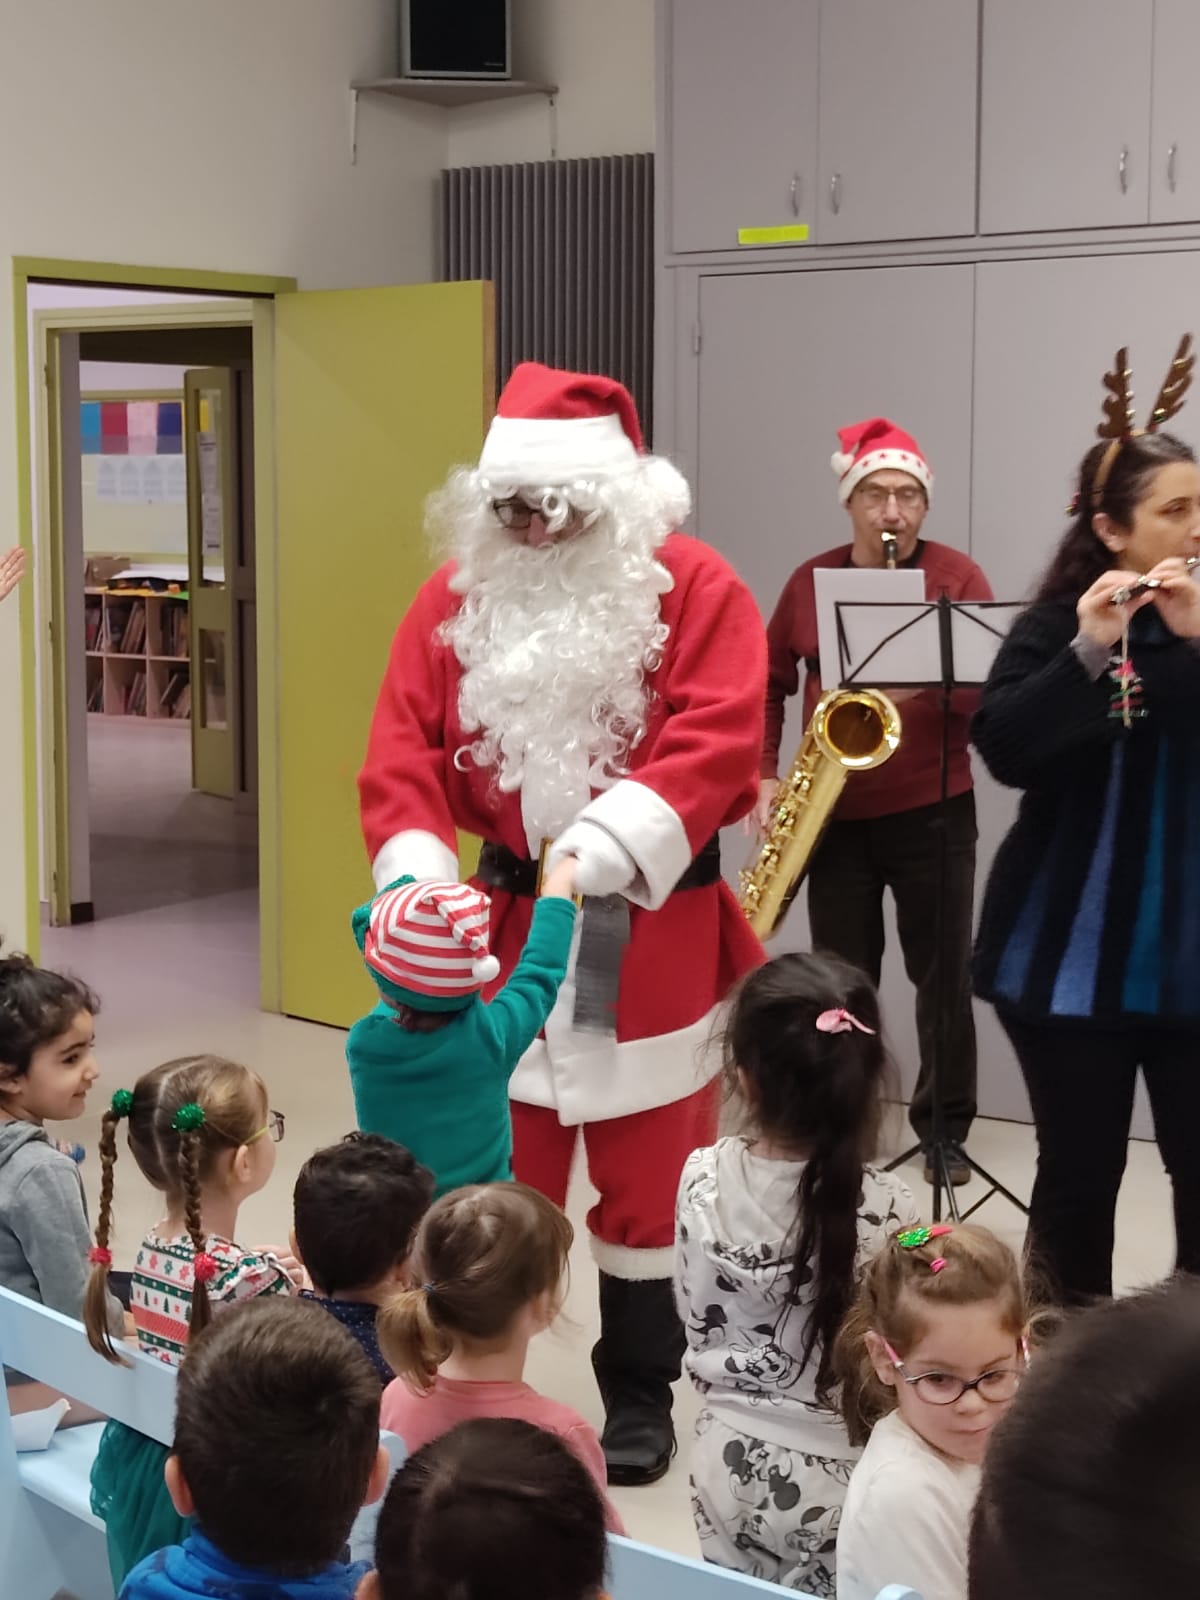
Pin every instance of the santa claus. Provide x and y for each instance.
(581, 677)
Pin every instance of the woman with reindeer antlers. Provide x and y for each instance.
(1089, 939)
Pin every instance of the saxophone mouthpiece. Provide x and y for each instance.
(889, 548)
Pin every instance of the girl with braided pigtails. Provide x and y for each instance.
(202, 1133)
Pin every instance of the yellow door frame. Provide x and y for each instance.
(249, 289)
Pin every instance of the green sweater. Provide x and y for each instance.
(444, 1095)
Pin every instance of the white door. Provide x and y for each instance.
(786, 359)
(898, 119)
(1065, 114)
(741, 118)
(1175, 141)
(1046, 332)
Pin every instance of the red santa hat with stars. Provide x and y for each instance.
(873, 446)
(553, 429)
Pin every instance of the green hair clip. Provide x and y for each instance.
(914, 1238)
(188, 1118)
(122, 1103)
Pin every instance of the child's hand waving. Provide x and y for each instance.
(560, 880)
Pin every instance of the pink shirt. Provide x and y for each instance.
(418, 1418)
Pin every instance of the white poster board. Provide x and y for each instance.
(864, 586)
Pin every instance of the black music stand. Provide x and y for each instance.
(943, 645)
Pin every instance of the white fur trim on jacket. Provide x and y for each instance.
(526, 453)
(651, 831)
(414, 854)
(635, 1266)
(590, 1077)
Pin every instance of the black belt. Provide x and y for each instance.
(501, 868)
(604, 932)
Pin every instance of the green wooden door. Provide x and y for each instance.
(377, 393)
(211, 439)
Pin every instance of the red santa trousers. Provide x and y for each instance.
(633, 1161)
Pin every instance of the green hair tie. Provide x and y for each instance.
(188, 1118)
(122, 1103)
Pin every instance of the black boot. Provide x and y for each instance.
(636, 1361)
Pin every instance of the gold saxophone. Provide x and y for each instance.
(851, 730)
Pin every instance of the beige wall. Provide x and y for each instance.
(601, 55)
(206, 137)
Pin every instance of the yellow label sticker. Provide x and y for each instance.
(789, 233)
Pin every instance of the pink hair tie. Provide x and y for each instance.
(839, 1020)
(937, 1264)
(99, 1256)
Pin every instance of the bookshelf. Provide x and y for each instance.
(137, 654)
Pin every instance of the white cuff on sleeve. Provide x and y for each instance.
(651, 831)
(414, 854)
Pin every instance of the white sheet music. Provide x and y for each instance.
(833, 585)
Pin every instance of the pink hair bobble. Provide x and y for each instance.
(839, 1020)
(937, 1263)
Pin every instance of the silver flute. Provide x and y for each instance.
(1127, 592)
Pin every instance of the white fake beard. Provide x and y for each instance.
(555, 644)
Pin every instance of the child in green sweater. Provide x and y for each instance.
(430, 1064)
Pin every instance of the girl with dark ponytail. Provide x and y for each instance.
(771, 1229)
(203, 1135)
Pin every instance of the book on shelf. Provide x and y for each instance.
(133, 640)
(95, 699)
(183, 706)
(135, 695)
(93, 621)
(177, 694)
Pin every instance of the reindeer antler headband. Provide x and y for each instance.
(1117, 425)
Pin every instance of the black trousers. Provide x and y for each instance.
(854, 864)
(1081, 1083)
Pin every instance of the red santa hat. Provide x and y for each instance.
(429, 942)
(873, 445)
(555, 428)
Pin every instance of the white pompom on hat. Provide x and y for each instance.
(430, 942)
(872, 446)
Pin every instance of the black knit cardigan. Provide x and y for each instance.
(1092, 909)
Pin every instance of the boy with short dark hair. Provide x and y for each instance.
(276, 1450)
(356, 1206)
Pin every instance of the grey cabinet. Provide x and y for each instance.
(898, 119)
(788, 358)
(1175, 136)
(895, 131)
(1065, 114)
(741, 118)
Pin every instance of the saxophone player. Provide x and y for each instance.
(883, 833)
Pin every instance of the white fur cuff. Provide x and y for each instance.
(651, 831)
(414, 854)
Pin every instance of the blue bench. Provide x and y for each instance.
(50, 1540)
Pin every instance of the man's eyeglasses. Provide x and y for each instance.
(946, 1389)
(274, 1127)
(515, 512)
(908, 499)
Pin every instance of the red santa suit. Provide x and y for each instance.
(642, 1092)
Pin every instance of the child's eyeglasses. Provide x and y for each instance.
(946, 1389)
(274, 1127)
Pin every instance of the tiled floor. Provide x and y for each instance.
(179, 974)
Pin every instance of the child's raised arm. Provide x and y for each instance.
(559, 882)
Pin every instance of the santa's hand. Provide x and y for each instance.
(602, 865)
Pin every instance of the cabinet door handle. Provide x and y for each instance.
(1171, 155)
(835, 192)
(1123, 169)
(795, 194)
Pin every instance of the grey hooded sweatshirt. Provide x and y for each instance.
(44, 1235)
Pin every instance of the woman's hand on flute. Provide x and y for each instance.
(1177, 597)
(1099, 619)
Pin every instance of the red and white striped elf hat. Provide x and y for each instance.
(430, 941)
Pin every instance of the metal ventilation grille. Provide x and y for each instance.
(569, 246)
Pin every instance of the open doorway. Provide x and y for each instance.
(150, 718)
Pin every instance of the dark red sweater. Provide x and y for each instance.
(911, 777)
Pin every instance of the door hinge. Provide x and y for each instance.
(697, 337)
